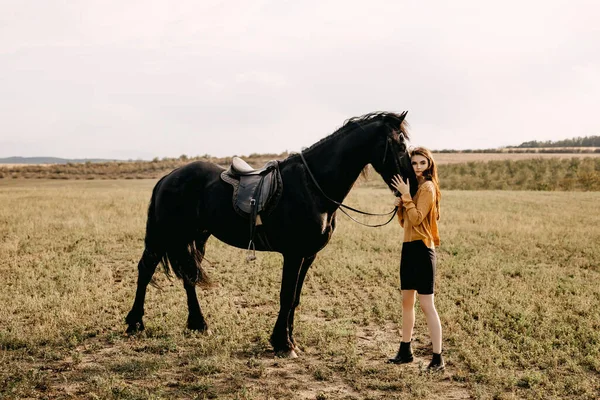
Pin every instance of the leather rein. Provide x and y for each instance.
(342, 206)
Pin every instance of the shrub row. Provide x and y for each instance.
(582, 174)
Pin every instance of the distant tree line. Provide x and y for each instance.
(587, 144)
(587, 141)
(546, 150)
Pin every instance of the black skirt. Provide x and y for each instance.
(417, 267)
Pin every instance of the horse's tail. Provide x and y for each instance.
(175, 255)
(186, 264)
(154, 242)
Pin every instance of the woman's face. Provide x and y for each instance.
(419, 164)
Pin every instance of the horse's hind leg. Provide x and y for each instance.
(146, 268)
(196, 319)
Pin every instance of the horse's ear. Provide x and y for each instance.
(394, 121)
(397, 126)
(403, 115)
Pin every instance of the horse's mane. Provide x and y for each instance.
(383, 115)
(367, 119)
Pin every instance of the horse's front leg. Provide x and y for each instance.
(303, 270)
(280, 338)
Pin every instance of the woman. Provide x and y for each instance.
(418, 217)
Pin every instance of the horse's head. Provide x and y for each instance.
(390, 154)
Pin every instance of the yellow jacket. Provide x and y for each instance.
(419, 216)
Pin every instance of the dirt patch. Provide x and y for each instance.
(282, 372)
(9, 166)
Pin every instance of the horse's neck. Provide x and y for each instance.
(337, 163)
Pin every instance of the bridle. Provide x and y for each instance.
(388, 145)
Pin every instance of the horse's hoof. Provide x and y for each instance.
(135, 328)
(205, 331)
(198, 328)
(287, 354)
(197, 324)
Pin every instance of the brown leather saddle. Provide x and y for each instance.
(256, 192)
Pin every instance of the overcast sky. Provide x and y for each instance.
(142, 79)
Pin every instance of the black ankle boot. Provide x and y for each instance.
(404, 354)
(437, 363)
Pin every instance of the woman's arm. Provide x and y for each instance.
(402, 187)
(398, 203)
(417, 212)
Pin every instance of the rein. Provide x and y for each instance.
(342, 206)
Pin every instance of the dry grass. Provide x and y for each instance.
(517, 295)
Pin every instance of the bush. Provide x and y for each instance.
(534, 174)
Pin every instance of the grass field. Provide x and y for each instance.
(517, 293)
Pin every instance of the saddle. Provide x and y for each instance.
(256, 192)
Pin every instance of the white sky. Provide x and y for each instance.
(143, 79)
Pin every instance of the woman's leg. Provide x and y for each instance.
(405, 354)
(433, 321)
(408, 314)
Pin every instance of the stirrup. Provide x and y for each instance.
(251, 252)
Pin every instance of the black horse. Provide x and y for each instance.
(193, 202)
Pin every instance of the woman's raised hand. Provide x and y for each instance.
(400, 185)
